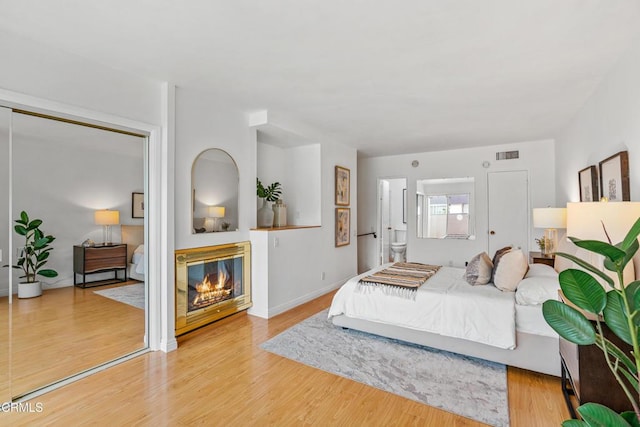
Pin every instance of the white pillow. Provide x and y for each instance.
(536, 290)
(479, 269)
(510, 270)
(541, 270)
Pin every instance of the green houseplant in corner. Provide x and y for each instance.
(33, 256)
(620, 310)
(268, 194)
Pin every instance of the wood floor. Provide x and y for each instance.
(220, 376)
(66, 331)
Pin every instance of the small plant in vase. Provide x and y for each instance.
(268, 194)
(33, 256)
(541, 244)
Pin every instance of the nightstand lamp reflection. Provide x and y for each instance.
(107, 218)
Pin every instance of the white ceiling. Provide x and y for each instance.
(387, 77)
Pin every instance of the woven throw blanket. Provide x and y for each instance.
(401, 279)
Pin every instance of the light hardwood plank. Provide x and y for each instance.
(220, 376)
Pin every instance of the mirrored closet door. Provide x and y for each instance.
(84, 187)
(5, 273)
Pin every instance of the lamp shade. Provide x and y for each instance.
(216, 211)
(107, 217)
(550, 218)
(585, 219)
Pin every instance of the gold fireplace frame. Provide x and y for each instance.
(187, 321)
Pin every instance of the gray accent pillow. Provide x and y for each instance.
(479, 270)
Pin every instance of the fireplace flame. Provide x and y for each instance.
(209, 292)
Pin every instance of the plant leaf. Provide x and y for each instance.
(574, 423)
(615, 351)
(24, 217)
(583, 290)
(602, 248)
(34, 224)
(631, 418)
(587, 267)
(20, 229)
(48, 273)
(632, 236)
(568, 322)
(615, 316)
(595, 414)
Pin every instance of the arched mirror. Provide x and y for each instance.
(214, 189)
(445, 208)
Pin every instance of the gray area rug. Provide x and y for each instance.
(128, 294)
(473, 388)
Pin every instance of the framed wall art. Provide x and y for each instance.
(343, 185)
(588, 179)
(137, 205)
(614, 177)
(343, 226)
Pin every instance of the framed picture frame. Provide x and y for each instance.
(343, 226)
(614, 177)
(137, 205)
(589, 187)
(343, 186)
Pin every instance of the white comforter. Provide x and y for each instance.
(446, 304)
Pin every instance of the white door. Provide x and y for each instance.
(508, 210)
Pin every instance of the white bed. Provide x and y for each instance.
(449, 314)
(133, 237)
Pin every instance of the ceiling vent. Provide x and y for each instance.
(508, 155)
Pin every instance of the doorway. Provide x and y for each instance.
(62, 173)
(392, 214)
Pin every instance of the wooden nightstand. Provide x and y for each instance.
(99, 259)
(538, 258)
(586, 375)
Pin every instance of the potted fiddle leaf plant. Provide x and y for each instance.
(268, 194)
(618, 308)
(33, 256)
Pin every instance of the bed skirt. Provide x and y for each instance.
(533, 352)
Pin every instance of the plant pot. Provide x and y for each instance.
(265, 215)
(29, 290)
(279, 214)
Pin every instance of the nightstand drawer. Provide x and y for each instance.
(105, 252)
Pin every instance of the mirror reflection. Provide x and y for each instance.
(93, 310)
(444, 208)
(214, 188)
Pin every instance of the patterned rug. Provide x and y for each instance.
(128, 294)
(463, 385)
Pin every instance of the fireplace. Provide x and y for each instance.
(211, 283)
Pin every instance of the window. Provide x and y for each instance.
(444, 208)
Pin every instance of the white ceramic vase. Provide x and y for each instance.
(265, 215)
(279, 214)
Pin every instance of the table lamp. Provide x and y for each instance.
(107, 218)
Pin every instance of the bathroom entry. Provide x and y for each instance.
(392, 214)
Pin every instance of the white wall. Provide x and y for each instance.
(608, 123)
(202, 123)
(288, 265)
(298, 170)
(537, 157)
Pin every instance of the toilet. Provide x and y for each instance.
(399, 244)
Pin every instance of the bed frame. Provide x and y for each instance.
(533, 352)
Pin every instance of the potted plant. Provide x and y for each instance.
(267, 194)
(33, 256)
(619, 309)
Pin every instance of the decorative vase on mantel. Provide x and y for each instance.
(279, 214)
(265, 215)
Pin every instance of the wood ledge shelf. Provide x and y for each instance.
(288, 227)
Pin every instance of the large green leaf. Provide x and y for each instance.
(24, 217)
(20, 230)
(583, 290)
(34, 224)
(631, 418)
(587, 267)
(632, 235)
(595, 414)
(41, 243)
(568, 322)
(602, 248)
(615, 316)
(48, 273)
(574, 423)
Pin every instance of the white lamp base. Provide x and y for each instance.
(550, 241)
